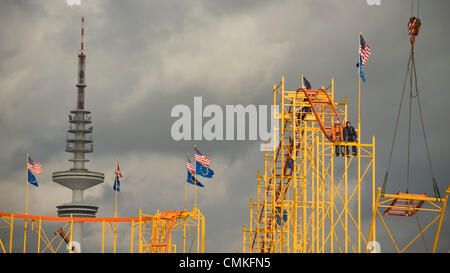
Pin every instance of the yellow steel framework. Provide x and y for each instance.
(157, 235)
(309, 200)
(160, 233)
(435, 207)
(406, 205)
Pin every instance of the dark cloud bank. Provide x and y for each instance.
(144, 57)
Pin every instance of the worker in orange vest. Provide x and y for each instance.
(337, 136)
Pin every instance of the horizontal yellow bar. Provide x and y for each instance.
(346, 144)
(417, 209)
(413, 197)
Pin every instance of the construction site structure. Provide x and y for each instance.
(308, 199)
(159, 233)
(404, 205)
(165, 232)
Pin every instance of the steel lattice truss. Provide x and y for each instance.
(308, 199)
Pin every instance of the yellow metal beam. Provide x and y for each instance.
(319, 209)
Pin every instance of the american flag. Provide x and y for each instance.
(34, 166)
(306, 83)
(189, 165)
(364, 50)
(199, 157)
(118, 173)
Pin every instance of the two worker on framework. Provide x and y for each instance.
(346, 134)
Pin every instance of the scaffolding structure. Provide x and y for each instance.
(308, 199)
(405, 204)
(159, 233)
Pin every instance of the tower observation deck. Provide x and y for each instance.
(79, 142)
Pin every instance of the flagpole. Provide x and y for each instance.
(115, 183)
(359, 90)
(26, 212)
(359, 148)
(195, 184)
(195, 190)
(185, 192)
(115, 210)
(26, 198)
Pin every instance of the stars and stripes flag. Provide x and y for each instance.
(364, 51)
(306, 83)
(189, 165)
(199, 157)
(34, 166)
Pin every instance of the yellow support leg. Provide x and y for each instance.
(444, 205)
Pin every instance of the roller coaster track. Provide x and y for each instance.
(325, 115)
(324, 110)
(163, 231)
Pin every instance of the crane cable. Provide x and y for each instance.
(414, 24)
(413, 30)
(436, 190)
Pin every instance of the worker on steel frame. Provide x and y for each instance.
(336, 135)
(350, 135)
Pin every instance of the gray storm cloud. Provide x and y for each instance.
(144, 57)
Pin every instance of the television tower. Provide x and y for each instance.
(79, 142)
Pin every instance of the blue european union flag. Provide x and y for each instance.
(32, 179)
(361, 73)
(203, 170)
(191, 179)
(116, 186)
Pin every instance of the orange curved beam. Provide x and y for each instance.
(170, 216)
(75, 219)
(329, 102)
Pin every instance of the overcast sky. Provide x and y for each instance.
(144, 57)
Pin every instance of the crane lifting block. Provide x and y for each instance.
(406, 206)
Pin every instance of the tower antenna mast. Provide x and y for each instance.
(82, 35)
(79, 142)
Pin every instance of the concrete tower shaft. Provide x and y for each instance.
(81, 80)
(79, 142)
